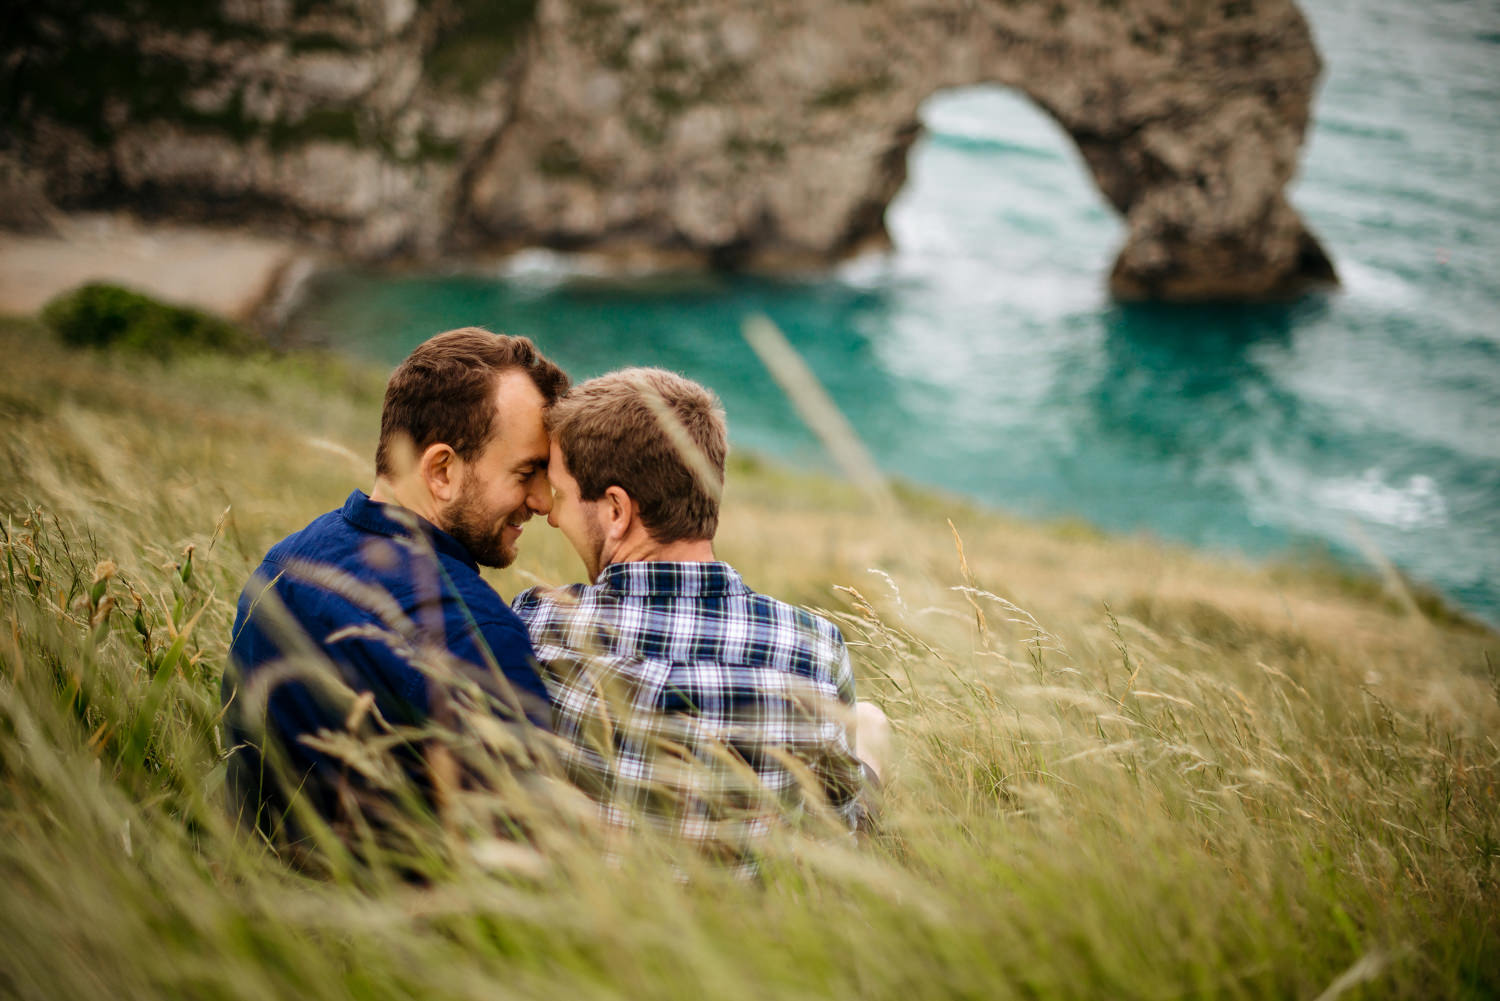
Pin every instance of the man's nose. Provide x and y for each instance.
(539, 499)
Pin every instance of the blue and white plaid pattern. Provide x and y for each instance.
(689, 702)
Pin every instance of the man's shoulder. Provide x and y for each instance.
(543, 601)
(539, 594)
(767, 608)
(314, 537)
(317, 543)
(333, 555)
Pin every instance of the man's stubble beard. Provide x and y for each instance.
(479, 531)
(594, 566)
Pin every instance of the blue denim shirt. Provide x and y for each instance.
(366, 585)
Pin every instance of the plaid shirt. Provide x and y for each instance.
(690, 703)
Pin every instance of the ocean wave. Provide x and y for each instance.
(537, 266)
(871, 270)
(1300, 497)
(1357, 129)
(1417, 503)
(1377, 286)
(970, 142)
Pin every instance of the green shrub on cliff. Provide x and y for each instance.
(475, 39)
(99, 315)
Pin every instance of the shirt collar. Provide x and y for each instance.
(396, 521)
(662, 577)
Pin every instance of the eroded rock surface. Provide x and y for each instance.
(737, 133)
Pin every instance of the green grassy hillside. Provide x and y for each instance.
(1125, 770)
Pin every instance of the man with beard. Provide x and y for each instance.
(373, 622)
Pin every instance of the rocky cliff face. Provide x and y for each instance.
(737, 133)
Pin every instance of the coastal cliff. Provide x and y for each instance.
(713, 132)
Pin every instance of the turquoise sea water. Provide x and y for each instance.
(983, 355)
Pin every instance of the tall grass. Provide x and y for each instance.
(1124, 771)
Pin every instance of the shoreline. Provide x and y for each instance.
(258, 278)
(246, 277)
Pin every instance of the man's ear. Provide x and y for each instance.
(440, 470)
(619, 513)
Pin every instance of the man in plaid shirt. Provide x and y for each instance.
(687, 702)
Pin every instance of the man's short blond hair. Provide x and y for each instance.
(655, 434)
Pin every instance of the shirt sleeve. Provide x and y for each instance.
(839, 768)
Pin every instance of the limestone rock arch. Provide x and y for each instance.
(775, 132)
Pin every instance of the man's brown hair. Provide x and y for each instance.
(442, 392)
(658, 436)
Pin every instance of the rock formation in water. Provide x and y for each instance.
(736, 133)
